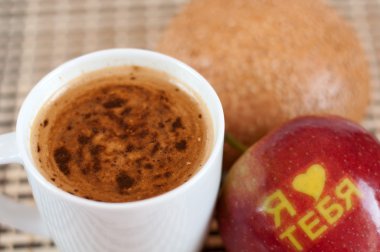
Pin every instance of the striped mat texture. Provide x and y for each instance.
(38, 35)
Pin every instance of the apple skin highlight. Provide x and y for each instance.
(311, 185)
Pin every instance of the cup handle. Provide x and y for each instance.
(12, 213)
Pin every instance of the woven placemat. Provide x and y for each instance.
(38, 35)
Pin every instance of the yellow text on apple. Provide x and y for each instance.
(327, 211)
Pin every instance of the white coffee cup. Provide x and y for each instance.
(175, 221)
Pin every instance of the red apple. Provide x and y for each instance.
(311, 185)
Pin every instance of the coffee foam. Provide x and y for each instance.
(121, 134)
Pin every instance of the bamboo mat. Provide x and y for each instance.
(38, 35)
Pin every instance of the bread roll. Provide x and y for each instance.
(271, 61)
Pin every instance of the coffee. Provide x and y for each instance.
(121, 134)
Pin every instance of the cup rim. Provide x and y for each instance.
(31, 169)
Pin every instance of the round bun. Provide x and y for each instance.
(271, 61)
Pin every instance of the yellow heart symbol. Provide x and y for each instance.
(312, 182)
